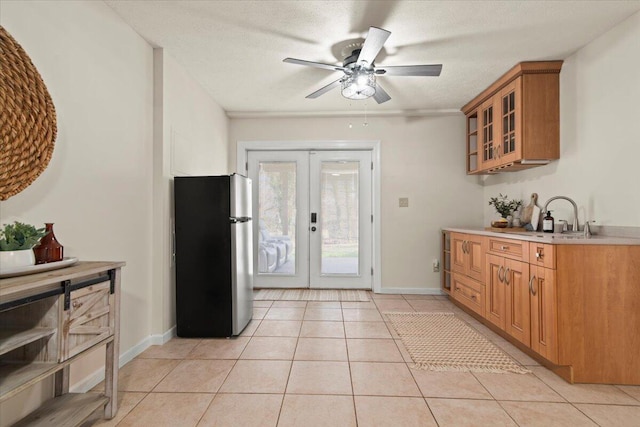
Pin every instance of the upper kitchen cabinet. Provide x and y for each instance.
(514, 124)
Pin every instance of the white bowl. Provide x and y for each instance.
(16, 259)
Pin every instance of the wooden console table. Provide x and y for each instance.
(49, 320)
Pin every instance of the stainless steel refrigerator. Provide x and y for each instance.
(213, 254)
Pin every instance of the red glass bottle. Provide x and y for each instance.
(49, 249)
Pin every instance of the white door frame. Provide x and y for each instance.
(243, 147)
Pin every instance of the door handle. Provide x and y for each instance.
(533, 292)
(314, 218)
(506, 275)
(501, 278)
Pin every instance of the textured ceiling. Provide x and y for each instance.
(235, 48)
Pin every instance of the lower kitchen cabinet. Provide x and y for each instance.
(496, 292)
(544, 312)
(598, 290)
(467, 255)
(468, 292)
(518, 312)
(574, 307)
(507, 300)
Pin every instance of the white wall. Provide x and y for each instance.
(97, 188)
(422, 159)
(599, 136)
(190, 138)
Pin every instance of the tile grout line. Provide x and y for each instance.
(506, 412)
(585, 414)
(353, 391)
(286, 386)
(622, 390)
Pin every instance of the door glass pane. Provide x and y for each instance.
(277, 218)
(339, 217)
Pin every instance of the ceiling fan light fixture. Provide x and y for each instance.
(359, 85)
(359, 79)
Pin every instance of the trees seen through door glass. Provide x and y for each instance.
(339, 217)
(277, 218)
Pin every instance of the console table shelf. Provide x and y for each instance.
(10, 339)
(68, 410)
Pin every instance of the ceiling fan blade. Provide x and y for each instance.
(381, 95)
(314, 64)
(373, 44)
(411, 70)
(325, 89)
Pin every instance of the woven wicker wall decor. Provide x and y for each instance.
(27, 119)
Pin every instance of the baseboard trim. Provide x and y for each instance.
(94, 379)
(412, 291)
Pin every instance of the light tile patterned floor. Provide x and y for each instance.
(340, 364)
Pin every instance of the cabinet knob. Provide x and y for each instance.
(504, 248)
(75, 304)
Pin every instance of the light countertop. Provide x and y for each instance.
(552, 238)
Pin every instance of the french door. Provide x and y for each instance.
(312, 219)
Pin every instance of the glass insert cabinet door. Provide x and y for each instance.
(511, 116)
(488, 143)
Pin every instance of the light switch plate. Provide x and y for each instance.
(403, 202)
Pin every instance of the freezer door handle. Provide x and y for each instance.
(235, 220)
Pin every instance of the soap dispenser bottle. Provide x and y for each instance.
(548, 223)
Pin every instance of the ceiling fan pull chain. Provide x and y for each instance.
(365, 124)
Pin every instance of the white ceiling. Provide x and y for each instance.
(235, 48)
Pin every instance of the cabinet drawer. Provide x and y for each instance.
(468, 292)
(89, 319)
(542, 255)
(515, 249)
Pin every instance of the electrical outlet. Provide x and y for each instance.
(403, 202)
(436, 265)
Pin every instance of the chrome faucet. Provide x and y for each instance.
(565, 225)
(587, 229)
(575, 226)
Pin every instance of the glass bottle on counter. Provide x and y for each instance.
(548, 223)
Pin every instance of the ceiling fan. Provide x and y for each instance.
(360, 71)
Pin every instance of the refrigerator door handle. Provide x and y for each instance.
(235, 220)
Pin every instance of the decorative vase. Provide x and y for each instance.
(49, 249)
(10, 260)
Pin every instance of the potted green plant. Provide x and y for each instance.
(16, 245)
(504, 206)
